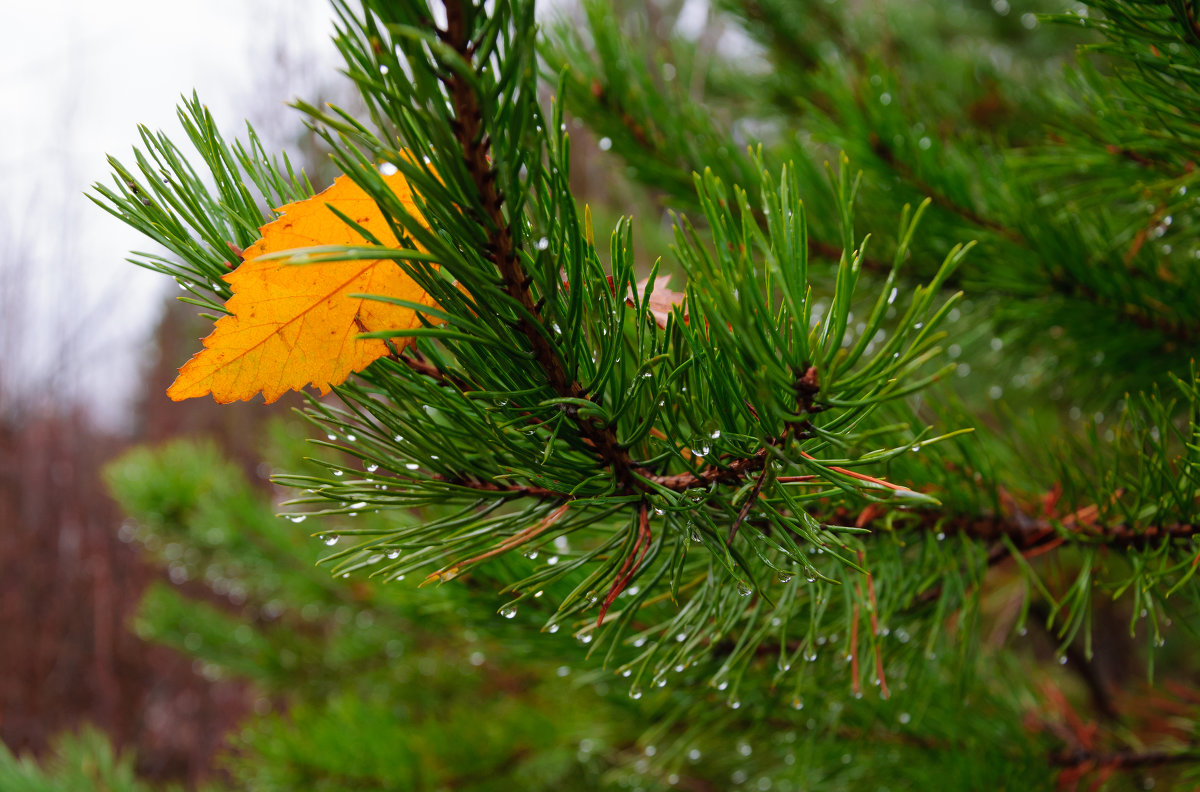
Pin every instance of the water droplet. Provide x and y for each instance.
(722, 684)
(635, 692)
(393, 554)
(508, 611)
(350, 438)
(904, 717)
(552, 560)
(337, 472)
(553, 628)
(1062, 660)
(411, 465)
(694, 755)
(331, 436)
(371, 468)
(331, 539)
(784, 577)
(744, 588)
(359, 505)
(734, 703)
(543, 243)
(298, 518)
(605, 143)
(398, 439)
(797, 704)
(744, 749)
(660, 682)
(586, 638)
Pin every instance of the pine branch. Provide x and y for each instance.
(468, 128)
(888, 157)
(1174, 329)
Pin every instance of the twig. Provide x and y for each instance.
(749, 504)
(628, 569)
(516, 540)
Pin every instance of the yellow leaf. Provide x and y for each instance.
(293, 325)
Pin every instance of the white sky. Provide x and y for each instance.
(76, 78)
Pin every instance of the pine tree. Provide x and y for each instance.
(805, 511)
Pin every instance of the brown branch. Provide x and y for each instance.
(1032, 535)
(502, 249)
(1125, 760)
(1029, 536)
(751, 499)
(417, 362)
(523, 490)
(730, 473)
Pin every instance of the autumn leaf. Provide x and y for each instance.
(661, 302)
(293, 325)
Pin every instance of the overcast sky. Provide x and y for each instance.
(76, 78)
